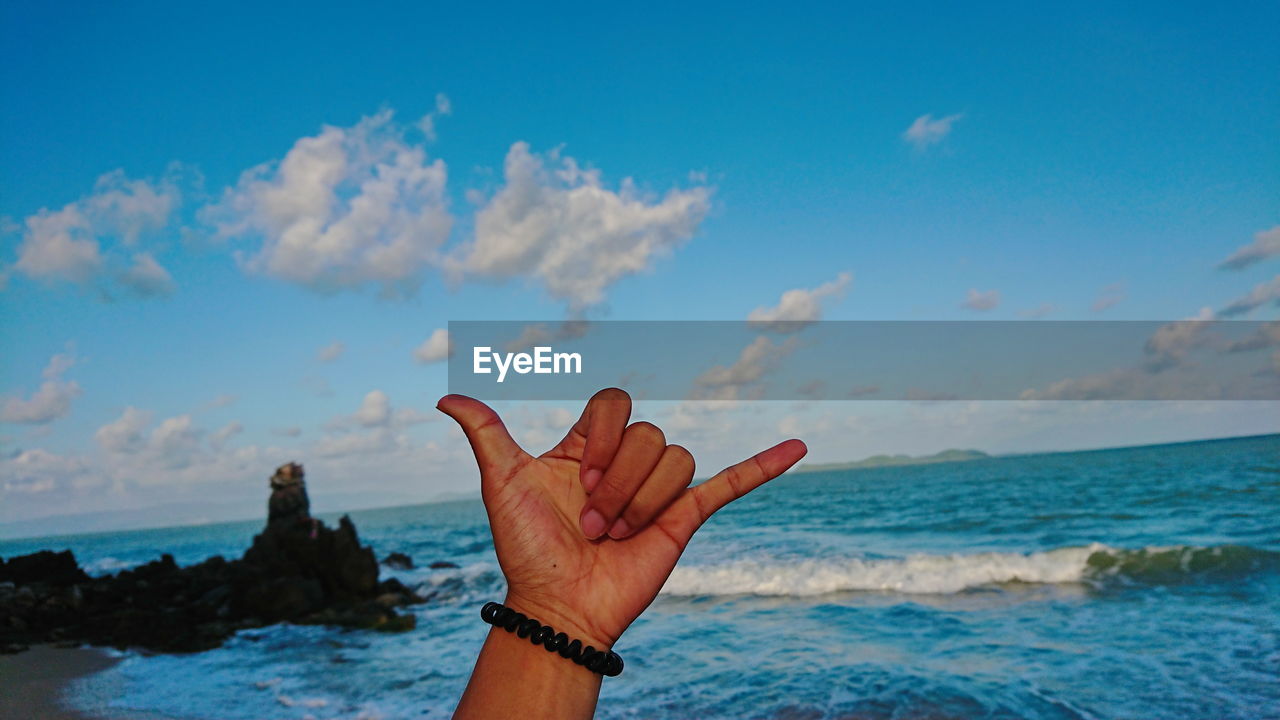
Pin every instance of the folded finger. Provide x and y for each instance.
(638, 453)
(600, 430)
(669, 478)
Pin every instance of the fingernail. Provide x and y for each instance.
(591, 479)
(593, 524)
(620, 529)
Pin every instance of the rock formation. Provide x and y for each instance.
(296, 570)
(288, 502)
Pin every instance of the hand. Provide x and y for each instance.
(587, 532)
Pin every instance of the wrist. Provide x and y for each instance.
(560, 617)
(523, 671)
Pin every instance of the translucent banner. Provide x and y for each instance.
(868, 360)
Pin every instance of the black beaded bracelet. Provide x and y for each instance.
(605, 662)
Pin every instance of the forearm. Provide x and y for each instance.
(514, 678)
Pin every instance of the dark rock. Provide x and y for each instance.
(392, 585)
(443, 565)
(288, 502)
(398, 561)
(296, 570)
(287, 598)
(46, 566)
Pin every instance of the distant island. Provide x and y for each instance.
(875, 461)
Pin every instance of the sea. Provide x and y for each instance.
(1126, 583)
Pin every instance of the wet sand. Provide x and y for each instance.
(33, 685)
(32, 682)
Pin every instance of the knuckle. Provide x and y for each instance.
(648, 433)
(637, 514)
(733, 478)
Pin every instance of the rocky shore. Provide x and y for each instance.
(297, 570)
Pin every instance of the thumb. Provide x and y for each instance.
(496, 453)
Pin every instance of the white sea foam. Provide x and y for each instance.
(107, 566)
(916, 574)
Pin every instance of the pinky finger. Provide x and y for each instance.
(702, 501)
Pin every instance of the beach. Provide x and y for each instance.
(33, 683)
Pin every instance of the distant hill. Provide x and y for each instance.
(875, 461)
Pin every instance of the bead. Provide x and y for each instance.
(604, 662)
(555, 642)
(502, 615)
(571, 650)
(514, 621)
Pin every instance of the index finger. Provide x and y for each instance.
(600, 427)
(700, 502)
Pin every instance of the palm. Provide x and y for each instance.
(543, 552)
(540, 508)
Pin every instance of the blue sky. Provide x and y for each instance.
(1092, 161)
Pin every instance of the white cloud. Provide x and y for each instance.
(59, 364)
(59, 245)
(564, 229)
(1108, 297)
(536, 428)
(800, 305)
(434, 349)
(220, 401)
(124, 434)
(375, 411)
(50, 401)
(1266, 243)
(175, 440)
(67, 244)
(39, 471)
(981, 300)
(346, 208)
(727, 382)
(331, 352)
(1260, 295)
(172, 444)
(1172, 341)
(375, 427)
(377, 441)
(146, 278)
(220, 437)
(1165, 373)
(535, 334)
(428, 122)
(128, 208)
(1038, 312)
(1267, 335)
(926, 130)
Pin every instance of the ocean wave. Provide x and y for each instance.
(1095, 564)
(107, 566)
(1181, 563)
(466, 584)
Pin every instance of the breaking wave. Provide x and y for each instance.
(1094, 564)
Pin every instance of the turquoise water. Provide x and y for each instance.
(1131, 583)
